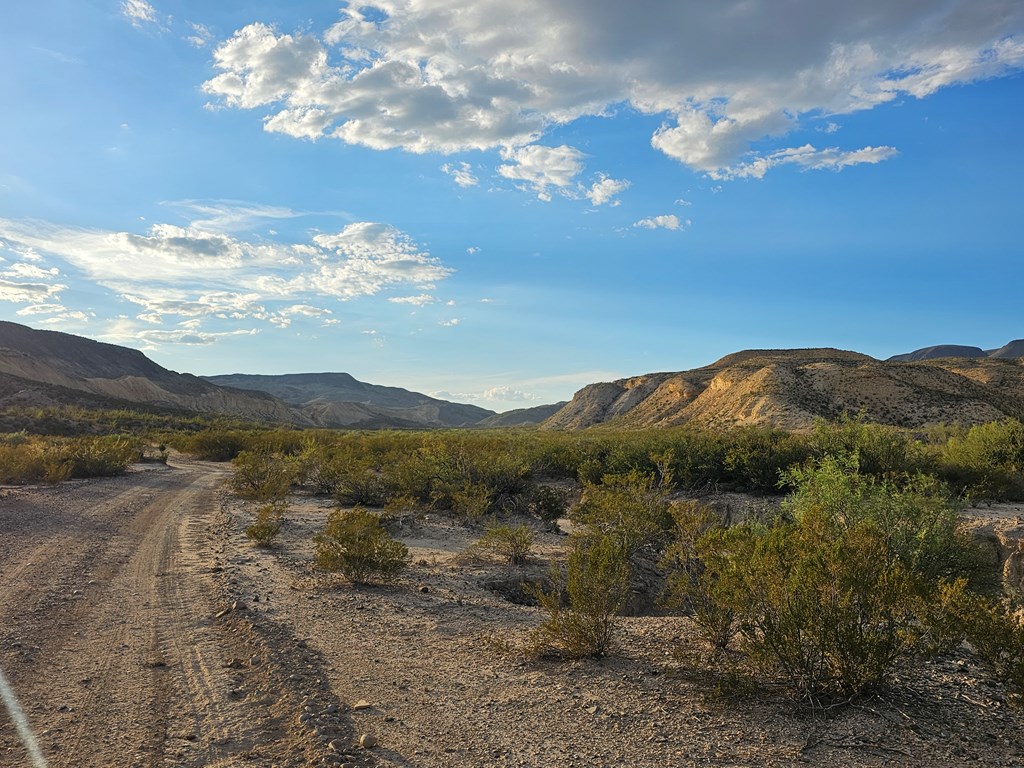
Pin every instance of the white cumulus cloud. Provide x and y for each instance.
(455, 76)
(605, 190)
(194, 272)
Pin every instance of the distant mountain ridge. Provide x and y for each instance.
(792, 388)
(1012, 350)
(40, 367)
(43, 368)
(783, 388)
(340, 400)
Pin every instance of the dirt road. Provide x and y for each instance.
(109, 635)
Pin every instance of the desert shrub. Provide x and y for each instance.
(632, 508)
(357, 545)
(359, 483)
(511, 543)
(212, 444)
(548, 503)
(267, 524)
(697, 458)
(101, 456)
(880, 450)
(993, 629)
(317, 469)
(987, 461)
(596, 583)
(22, 462)
(471, 502)
(834, 594)
(52, 460)
(696, 562)
(262, 476)
(756, 457)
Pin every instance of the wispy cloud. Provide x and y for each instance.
(541, 168)
(140, 13)
(200, 36)
(196, 272)
(501, 394)
(462, 173)
(807, 158)
(419, 301)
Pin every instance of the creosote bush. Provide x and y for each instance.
(355, 544)
(596, 583)
(837, 591)
(28, 459)
(548, 503)
(262, 476)
(631, 507)
(267, 524)
(510, 543)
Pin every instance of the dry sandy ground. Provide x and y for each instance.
(110, 592)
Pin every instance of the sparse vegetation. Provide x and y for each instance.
(355, 544)
(30, 459)
(595, 583)
(267, 524)
(510, 543)
(262, 476)
(837, 591)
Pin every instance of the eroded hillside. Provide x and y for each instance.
(791, 388)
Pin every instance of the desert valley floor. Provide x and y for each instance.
(139, 627)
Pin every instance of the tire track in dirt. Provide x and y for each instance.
(136, 669)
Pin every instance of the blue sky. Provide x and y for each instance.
(501, 202)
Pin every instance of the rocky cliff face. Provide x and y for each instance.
(791, 388)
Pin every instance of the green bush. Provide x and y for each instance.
(471, 502)
(988, 461)
(632, 507)
(880, 450)
(355, 543)
(756, 457)
(696, 560)
(596, 584)
(838, 591)
(36, 459)
(267, 524)
(213, 444)
(262, 476)
(510, 543)
(548, 503)
(994, 630)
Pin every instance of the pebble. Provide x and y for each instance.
(367, 741)
(361, 705)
